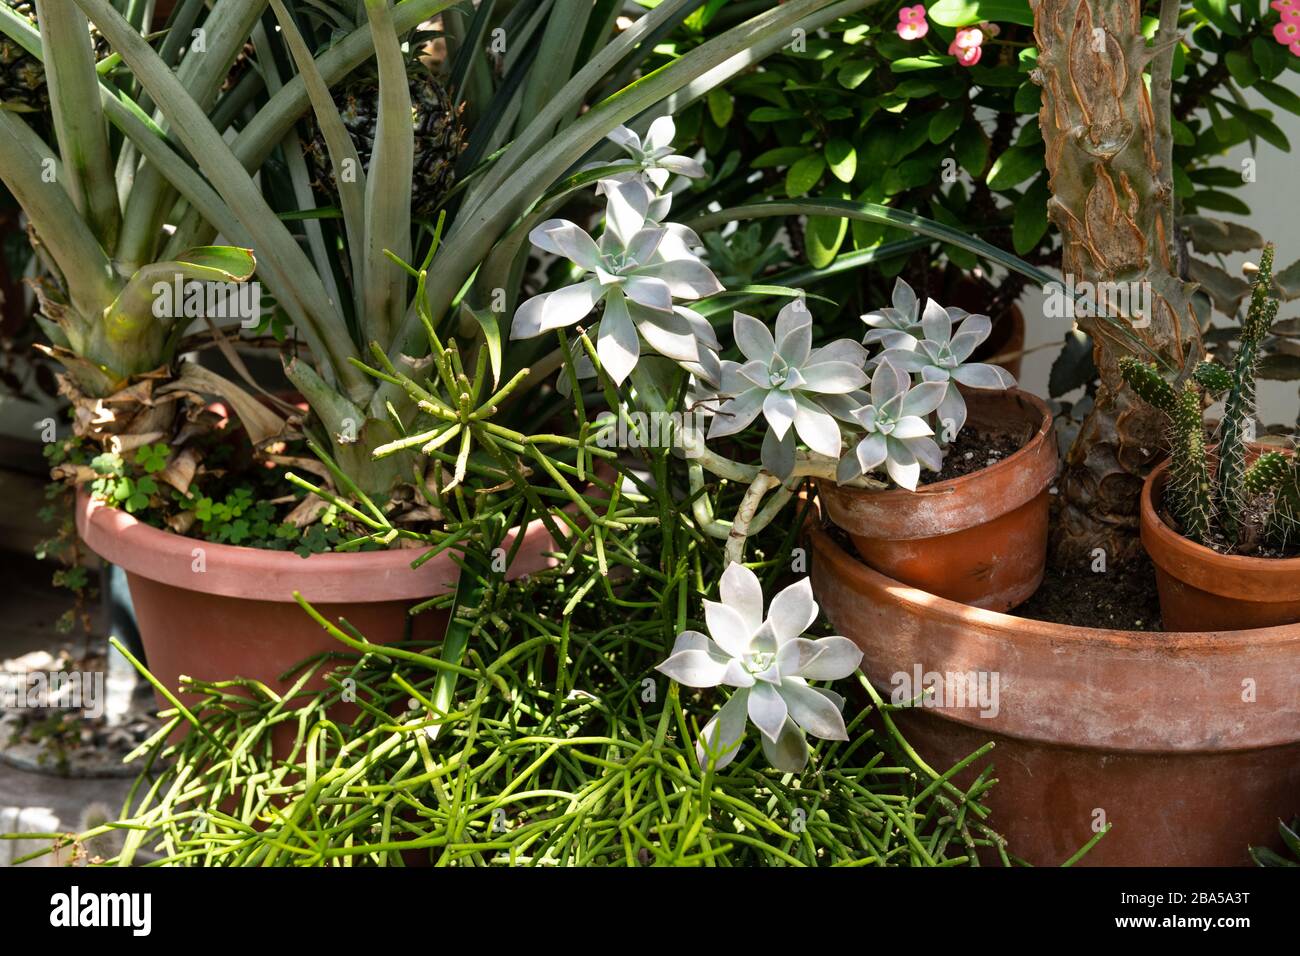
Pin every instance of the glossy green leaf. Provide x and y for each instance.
(961, 13)
(721, 106)
(804, 175)
(1014, 167)
(842, 159)
(945, 122)
(1030, 223)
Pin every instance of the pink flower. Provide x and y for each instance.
(1291, 14)
(1295, 48)
(966, 46)
(1287, 33)
(1282, 4)
(912, 31)
(912, 24)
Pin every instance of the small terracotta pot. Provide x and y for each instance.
(1152, 733)
(215, 611)
(980, 539)
(1201, 589)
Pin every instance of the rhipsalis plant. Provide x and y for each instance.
(1228, 500)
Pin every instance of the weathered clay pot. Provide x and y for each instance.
(979, 539)
(215, 611)
(1201, 589)
(1188, 745)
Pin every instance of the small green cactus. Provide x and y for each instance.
(1266, 474)
(1146, 381)
(1237, 427)
(1189, 494)
(1199, 505)
(1213, 377)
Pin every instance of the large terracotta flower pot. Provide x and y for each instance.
(1201, 589)
(215, 611)
(1187, 745)
(979, 539)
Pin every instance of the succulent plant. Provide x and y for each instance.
(941, 356)
(896, 326)
(651, 162)
(637, 271)
(1201, 505)
(769, 662)
(897, 435)
(784, 377)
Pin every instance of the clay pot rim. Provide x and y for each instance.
(1204, 567)
(264, 575)
(1211, 642)
(1032, 458)
(947, 486)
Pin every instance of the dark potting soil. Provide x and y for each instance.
(1122, 598)
(974, 449)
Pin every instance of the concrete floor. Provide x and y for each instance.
(38, 802)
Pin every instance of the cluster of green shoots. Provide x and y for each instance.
(1213, 487)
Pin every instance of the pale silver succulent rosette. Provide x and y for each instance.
(769, 662)
(897, 325)
(786, 380)
(949, 338)
(896, 435)
(651, 161)
(638, 271)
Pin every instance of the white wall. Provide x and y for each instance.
(1274, 198)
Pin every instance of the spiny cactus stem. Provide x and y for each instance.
(1188, 495)
(1239, 406)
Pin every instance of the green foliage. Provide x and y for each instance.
(1290, 835)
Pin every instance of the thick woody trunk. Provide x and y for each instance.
(1108, 155)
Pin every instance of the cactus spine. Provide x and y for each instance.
(1236, 429)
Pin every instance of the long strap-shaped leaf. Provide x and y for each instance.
(25, 160)
(388, 189)
(570, 96)
(557, 53)
(202, 70)
(297, 286)
(343, 154)
(267, 128)
(477, 230)
(871, 212)
(919, 225)
(79, 123)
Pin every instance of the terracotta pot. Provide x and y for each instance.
(215, 611)
(1201, 589)
(1157, 734)
(979, 539)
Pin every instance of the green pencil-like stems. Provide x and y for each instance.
(1189, 494)
(1239, 406)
